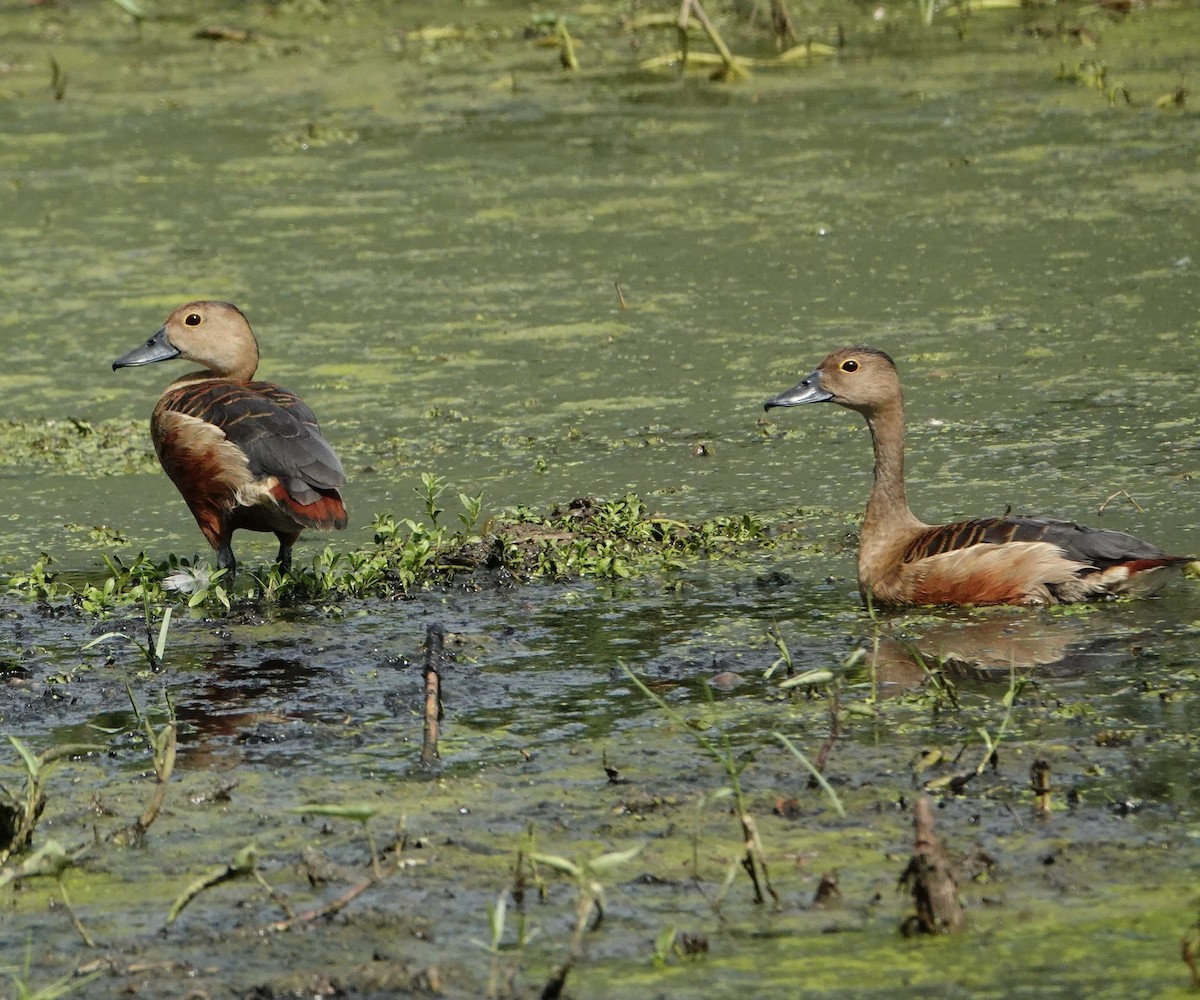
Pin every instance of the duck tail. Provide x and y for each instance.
(325, 513)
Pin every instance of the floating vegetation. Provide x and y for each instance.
(314, 135)
(587, 538)
(76, 446)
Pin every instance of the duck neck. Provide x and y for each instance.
(887, 508)
(209, 374)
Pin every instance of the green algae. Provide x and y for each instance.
(425, 221)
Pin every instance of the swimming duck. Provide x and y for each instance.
(243, 454)
(996, 560)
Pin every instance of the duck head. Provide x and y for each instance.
(213, 334)
(859, 378)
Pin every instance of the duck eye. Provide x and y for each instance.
(192, 319)
(849, 365)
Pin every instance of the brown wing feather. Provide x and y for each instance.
(275, 429)
(1022, 559)
(1096, 548)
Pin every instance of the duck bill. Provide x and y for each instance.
(157, 348)
(808, 391)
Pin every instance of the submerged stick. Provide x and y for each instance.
(435, 638)
(88, 940)
(333, 906)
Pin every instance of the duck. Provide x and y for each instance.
(243, 454)
(993, 560)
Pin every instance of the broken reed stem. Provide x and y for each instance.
(835, 731)
(1187, 951)
(269, 889)
(554, 986)
(1039, 781)
(929, 876)
(588, 903)
(754, 861)
(782, 25)
(242, 865)
(435, 638)
(1120, 493)
(566, 51)
(689, 7)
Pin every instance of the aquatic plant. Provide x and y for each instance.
(243, 866)
(817, 776)
(50, 860)
(684, 944)
(61, 987)
(957, 781)
(588, 875)
(591, 538)
(19, 813)
(753, 859)
(497, 918)
(155, 648)
(614, 539)
(524, 870)
(728, 68)
(163, 744)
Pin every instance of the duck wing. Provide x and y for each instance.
(1096, 549)
(273, 428)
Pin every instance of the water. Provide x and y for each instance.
(546, 286)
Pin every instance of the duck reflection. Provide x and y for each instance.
(243, 702)
(990, 649)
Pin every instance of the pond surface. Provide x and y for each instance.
(543, 285)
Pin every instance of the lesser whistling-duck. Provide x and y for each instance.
(996, 560)
(243, 454)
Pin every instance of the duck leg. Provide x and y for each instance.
(225, 558)
(286, 541)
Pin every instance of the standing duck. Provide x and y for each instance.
(243, 454)
(996, 560)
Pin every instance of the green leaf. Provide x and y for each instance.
(496, 917)
(606, 862)
(132, 8)
(360, 812)
(104, 638)
(809, 678)
(32, 764)
(817, 775)
(161, 645)
(559, 863)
